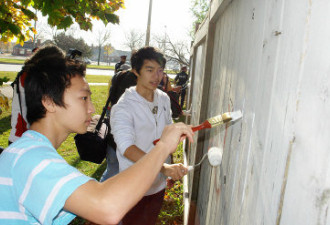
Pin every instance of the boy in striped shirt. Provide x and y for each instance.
(37, 186)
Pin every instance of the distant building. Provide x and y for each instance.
(113, 57)
(6, 47)
(26, 49)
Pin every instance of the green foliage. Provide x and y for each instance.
(16, 16)
(11, 75)
(199, 10)
(172, 209)
(3, 80)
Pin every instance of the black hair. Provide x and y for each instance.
(47, 50)
(146, 53)
(48, 76)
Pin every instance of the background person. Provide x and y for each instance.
(121, 62)
(181, 80)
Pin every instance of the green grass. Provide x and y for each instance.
(10, 75)
(21, 61)
(89, 78)
(172, 210)
(13, 61)
(98, 79)
(100, 67)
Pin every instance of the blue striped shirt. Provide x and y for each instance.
(35, 182)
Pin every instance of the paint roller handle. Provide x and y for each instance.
(194, 129)
(170, 182)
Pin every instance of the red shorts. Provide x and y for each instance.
(146, 211)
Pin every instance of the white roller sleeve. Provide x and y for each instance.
(215, 156)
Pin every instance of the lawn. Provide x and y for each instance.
(21, 61)
(89, 78)
(172, 211)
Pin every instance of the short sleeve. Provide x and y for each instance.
(45, 181)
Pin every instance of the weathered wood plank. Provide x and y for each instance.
(271, 60)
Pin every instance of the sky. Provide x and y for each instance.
(172, 17)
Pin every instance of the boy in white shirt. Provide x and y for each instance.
(139, 118)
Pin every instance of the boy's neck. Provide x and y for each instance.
(145, 93)
(46, 129)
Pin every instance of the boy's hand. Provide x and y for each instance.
(175, 171)
(175, 133)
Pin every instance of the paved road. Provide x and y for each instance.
(7, 90)
(16, 68)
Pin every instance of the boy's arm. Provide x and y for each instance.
(175, 171)
(134, 153)
(108, 202)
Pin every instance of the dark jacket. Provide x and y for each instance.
(181, 78)
(117, 66)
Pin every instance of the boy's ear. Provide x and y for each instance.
(49, 104)
(135, 72)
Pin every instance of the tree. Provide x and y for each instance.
(108, 49)
(177, 51)
(16, 16)
(199, 10)
(133, 39)
(66, 42)
(102, 36)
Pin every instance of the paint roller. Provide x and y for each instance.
(215, 121)
(214, 155)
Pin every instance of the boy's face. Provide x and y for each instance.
(151, 74)
(76, 116)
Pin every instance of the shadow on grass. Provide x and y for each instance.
(98, 173)
(76, 162)
(5, 124)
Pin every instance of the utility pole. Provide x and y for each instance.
(34, 35)
(148, 25)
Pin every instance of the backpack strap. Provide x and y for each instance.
(16, 82)
(99, 123)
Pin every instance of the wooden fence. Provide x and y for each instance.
(271, 60)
